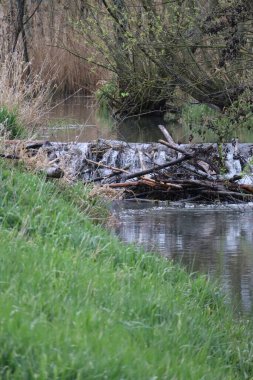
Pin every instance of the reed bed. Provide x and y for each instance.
(23, 94)
(50, 40)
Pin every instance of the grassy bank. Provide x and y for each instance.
(75, 303)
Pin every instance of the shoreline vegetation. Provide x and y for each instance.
(76, 303)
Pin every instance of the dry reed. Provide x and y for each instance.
(48, 32)
(23, 93)
(52, 36)
(72, 74)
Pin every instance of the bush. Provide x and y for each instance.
(107, 95)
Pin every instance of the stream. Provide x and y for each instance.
(215, 240)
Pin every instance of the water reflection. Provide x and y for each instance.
(217, 242)
(77, 119)
(141, 130)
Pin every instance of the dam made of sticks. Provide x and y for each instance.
(162, 171)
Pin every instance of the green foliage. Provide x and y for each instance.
(153, 48)
(196, 114)
(139, 83)
(107, 95)
(194, 118)
(75, 303)
(233, 122)
(247, 170)
(237, 117)
(9, 124)
(156, 51)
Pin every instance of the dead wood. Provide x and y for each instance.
(156, 168)
(153, 184)
(248, 188)
(228, 193)
(163, 171)
(167, 135)
(176, 148)
(100, 164)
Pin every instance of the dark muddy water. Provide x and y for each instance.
(217, 241)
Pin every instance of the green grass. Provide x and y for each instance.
(75, 303)
(10, 123)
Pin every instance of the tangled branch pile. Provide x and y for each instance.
(163, 171)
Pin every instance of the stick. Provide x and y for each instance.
(167, 135)
(247, 188)
(146, 182)
(106, 166)
(124, 184)
(198, 172)
(195, 182)
(157, 168)
(174, 147)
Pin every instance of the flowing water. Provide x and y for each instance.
(214, 240)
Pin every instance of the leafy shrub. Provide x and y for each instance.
(107, 94)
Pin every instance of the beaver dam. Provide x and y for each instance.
(161, 171)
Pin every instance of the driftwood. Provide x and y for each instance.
(164, 170)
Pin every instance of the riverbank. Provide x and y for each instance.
(78, 304)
